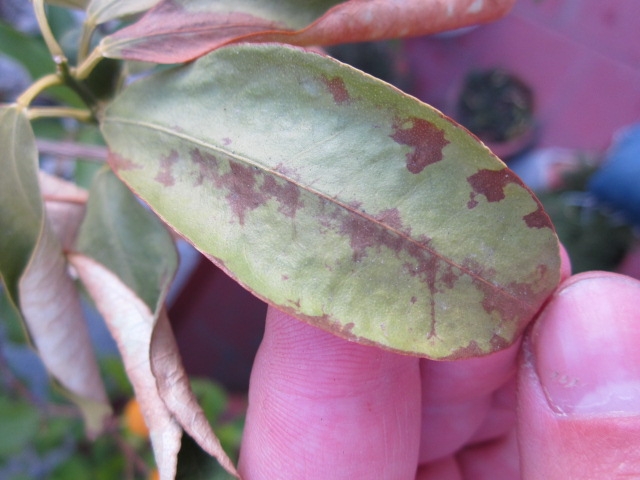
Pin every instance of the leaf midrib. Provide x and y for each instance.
(333, 200)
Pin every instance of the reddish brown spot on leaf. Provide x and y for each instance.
(207, 166)
(470, 351)
(425, 139)
(165, 176)
(338, 90)
(119, 163)
(390, 217)
(243, 195)
(538, 219)
(491, 184)
(248, 187)
(286, 193)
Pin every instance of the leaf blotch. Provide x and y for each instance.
(491, 184)
(538, 219)
(425, 139)
(286, 193)
(247, 187)
(390, 217)
(119, 163)
(165, 175)
(338, 90)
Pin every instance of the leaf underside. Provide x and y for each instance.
(338, 199)
(177, 31)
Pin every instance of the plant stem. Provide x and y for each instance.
(55, 49)
(69, 78)
(85, 40)
(34, 90)
(86, 67)
(48, 112)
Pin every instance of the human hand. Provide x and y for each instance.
(321, 407)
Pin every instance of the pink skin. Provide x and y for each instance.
(321, 407)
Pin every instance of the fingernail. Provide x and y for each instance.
(587, 346)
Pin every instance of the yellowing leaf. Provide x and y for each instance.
(181, 30)
(338, 199)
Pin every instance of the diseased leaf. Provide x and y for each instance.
(129, 240)
(65, 206)
(177, 31)
(133, 260)
(175, 390)
(35, 273)
(338, 199)
(134, 328)
(101, 11)
(131, 323)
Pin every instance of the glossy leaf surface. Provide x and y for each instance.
(180, 30)
(338, 199)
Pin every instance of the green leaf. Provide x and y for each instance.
(31, 52)
(18, 425)
(35, 275)
(22, 211)
(338, 199)
(34, 55)
(119, 233)
(79, 4)
(182, 30)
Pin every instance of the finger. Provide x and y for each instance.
(579, 383)
(457, 397)
(321, 407)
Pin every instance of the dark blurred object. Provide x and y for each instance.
(218, 327)
(383, 60)
(617, 183)
(595, 237)
(498, 107)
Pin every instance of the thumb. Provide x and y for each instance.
(579, 383)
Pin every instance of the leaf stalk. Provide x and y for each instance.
(36, 88)
(49, 112)
(52, 44)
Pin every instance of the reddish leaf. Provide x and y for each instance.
(181, 30)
